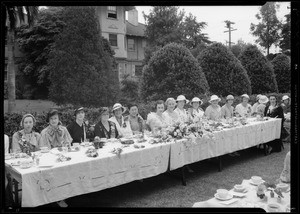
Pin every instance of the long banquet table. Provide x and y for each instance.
(84, 174)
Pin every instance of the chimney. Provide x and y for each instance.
(133, 17)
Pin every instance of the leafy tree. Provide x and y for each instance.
(82, 71)
(285, 41)
(259, 69)
(14, 17)
(238, 48)
(223, 71)
(36, 44)
(282, 69)
(129, 90)
(171, 71)
(267, 30)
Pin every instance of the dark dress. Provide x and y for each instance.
(101, 131)
(77, 132)
(276, 112)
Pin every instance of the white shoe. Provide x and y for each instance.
(62, 203)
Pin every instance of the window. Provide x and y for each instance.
(138, 70)
(131, 45)
(113, 39)
(112, 12)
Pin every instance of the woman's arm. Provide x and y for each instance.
(15, 142)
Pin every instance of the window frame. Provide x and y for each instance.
(109, 39)
(109, 11)
(128, 45)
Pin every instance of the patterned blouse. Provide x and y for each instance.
(137, 124)
(171, 118)
(242, 111)
(25, 143)
(183, 115)
(55, 137)
(156, 121)
(102, 132)
(196, 114)
(226, 112)
(213, 113)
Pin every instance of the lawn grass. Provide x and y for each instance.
(31, 105)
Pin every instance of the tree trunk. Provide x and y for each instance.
(11, 75)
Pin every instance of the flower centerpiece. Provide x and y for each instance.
(178, 131)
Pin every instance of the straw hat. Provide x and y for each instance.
(196, 99)
(230, 97)
(263, 99)
(214, 97)
(77, 110)
(181, 98)
(257, 97)
(27, 115)
(117, 106)
(245, 95)
(285, 97)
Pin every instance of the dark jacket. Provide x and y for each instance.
(101, 132)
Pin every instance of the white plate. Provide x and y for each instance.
(229, 196)
(26, 167)
(256, 184)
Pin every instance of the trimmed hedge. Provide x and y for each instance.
(12, 120)
(282, 69)
(259, 69)
(223, 71)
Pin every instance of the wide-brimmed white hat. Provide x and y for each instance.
(117, 106)
(230, 97)
(181, 98)
(196, 99)
(258, 96)
(214, 97)
(285, 97)
(263, 99)
(245, 95)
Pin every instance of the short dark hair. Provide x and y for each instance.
(158, 102)
(274, 95)
(132, 105)
(51, 113)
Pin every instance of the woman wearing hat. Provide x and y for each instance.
(123, 126)
(181, 101)
(253, 113)
(55, 135)
(213, 111)
(227, 109)
(243, 109)
(286, 104)
(273, 109)
(260, 109)
(26, 140)
(105, 128)
(196, 112)
(156, 120)
(171, 116)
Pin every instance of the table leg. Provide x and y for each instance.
(265, 149)
(219, 163)
(16, 192)
(183, 180)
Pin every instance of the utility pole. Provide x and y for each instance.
(228, 25)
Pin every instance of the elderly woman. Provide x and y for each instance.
(137, 123)
(213, 111)
(254, 107)
(227, 109)
(26, 140)
(123, 126)
(183, 115)
(260, 109)
(243, 109)
(273, 109)
(171, 116)
(156, 120)
(55, 135)
(196, 112)
(105, 128)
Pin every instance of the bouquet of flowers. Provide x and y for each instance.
(179, 131)
(195, 129)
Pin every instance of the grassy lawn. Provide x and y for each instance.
(31, 105)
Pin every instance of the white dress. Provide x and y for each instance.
(155, 121)
(196, 114)
(125, 129)
(183, 115)
(171, 118)
(243, 111)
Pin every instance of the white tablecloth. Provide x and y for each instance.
(250, 200)
(226, 141)
(84, 174)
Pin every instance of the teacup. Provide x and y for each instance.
(282, 186)
(239, 187)
(273, 207)
(222, 193)
(256, 179)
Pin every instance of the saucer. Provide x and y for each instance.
(229, 196)
(256, 184)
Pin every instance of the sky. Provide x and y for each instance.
(215, 16)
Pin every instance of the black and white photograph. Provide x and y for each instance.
(184, 106)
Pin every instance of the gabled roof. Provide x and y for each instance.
(132, 30)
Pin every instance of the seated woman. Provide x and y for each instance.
(55, 135)
(156, 120)
(227, 109)
(123, 126)
(137, 123)
(287, 115)
(213, 111)
(171, 116)
(196, 112)
(181, 101)
(243, 109)
(285, 175)
(260, 109)
(78, 128)
(26, 140)
(105, 128)
(273, 109)
(254, 107)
